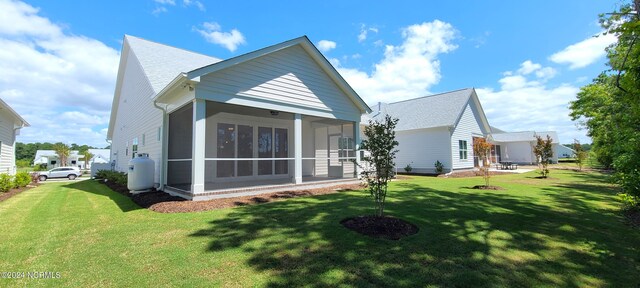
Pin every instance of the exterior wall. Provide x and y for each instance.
(518, 152)
(422, 148)
(287, 80)
(136, 117)
(468, 126)
(7, 137)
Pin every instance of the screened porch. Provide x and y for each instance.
(216, 147)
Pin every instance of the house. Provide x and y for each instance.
(10, 125)
(435, 128)
(50, 159)
(276, 117)
(565, 152)
(517, 147)
(100, 156)
(442, 128)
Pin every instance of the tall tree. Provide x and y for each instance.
(609, 107)
(381, 144)
(581, 155)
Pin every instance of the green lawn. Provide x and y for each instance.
(565, 231)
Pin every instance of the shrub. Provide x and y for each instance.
(41, 167)
(23, 163)
(119, 178)
(629, 202)
(22, 179)
(408, 168)
(439, 167)
(6, 182)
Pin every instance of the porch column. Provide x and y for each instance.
(297, 148)
(197, 155)
(356, 141)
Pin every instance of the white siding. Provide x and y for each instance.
(7, 137)
(468, 126)
(136, 116)
(288, 80)
(422, 148)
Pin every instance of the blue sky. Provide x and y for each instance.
(527, 59)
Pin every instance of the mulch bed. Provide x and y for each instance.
(380, 227)
(159, 201)
(633, 217)
(485, 187)
(15, 191)
(196, 206)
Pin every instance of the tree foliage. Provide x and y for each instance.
(581, 154)
(544, 153)
(482, 150)
(63, 151)
(381, 144)
(27, 151)
(609, 107)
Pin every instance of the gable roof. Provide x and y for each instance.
(160, 63)
(21, 122)
(438, 110)
(303, 42)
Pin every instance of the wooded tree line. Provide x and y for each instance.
(609, 107)
(27, 151)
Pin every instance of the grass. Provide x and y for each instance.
(564, 231)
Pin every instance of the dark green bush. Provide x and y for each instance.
(6, 182)
(119, 178)
(22, 179)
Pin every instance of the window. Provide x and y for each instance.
(134, 147)
(462, 146)
(143, 139)
(126, 148)
(245, 150)
(281, 147)
(265, 148)
(159, 134)
(346, 148)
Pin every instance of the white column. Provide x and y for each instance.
(297, 143)
(356, 141)
(197, 155)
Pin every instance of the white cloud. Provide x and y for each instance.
(59, 82)
(585, 52)
(529, 104)
(364, 31)
(159, 10)
(167, 2)
(196, 3)
(213, 34)
(326, 45)
(407, 70)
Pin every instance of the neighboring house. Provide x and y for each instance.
(517, 147)
(100, 156)
(434, 128)
(279, 116)
(50, 159)
(566, 152)
(442, 127)
(10, 125)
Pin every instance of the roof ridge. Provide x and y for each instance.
(427, 96)
(174, 47)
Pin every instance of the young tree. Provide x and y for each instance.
(482, 150)
(581, 155)
(63, 151)
(381, 144)
(544, 153)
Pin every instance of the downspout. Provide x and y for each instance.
(163, 162)
(15, 130)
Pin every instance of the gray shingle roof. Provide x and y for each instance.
(162, 63)
(552, 134)
(439, 110)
